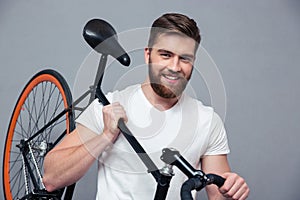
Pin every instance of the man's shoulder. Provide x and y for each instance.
(117, 95)
(196, 103)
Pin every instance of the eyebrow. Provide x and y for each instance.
(164, 51)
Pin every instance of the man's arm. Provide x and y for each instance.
(234, 187)
(67, 162)
(71, 159)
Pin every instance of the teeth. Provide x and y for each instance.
(171, 77)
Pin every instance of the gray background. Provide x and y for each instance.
(255, 45)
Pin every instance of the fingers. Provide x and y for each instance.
(234, 187)
(119, 111)
(111, 115)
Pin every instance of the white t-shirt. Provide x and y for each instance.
(190, 127)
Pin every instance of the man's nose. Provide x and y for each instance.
(175, 64)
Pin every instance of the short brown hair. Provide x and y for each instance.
(174, 22)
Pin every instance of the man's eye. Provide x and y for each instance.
(165, 55)
(186, 59)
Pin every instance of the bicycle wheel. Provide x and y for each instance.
(41, 117)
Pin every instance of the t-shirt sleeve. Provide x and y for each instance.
(92, 117)
(218, 143)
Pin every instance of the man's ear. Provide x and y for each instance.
(147, 54)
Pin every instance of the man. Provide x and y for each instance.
(160, 115)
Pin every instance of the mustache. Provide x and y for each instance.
(170, 72)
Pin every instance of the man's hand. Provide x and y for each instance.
(111, 115)
(234, 187)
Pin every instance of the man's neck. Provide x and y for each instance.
(157, 101)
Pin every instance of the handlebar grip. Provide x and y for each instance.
(216, 179)
(188, 186)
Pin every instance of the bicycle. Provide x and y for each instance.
(44, 114)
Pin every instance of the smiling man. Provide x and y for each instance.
(161, 114)
(170, 62)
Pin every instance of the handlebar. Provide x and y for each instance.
(215, 179)
(197, 178)
(197, 183)
(188, 186)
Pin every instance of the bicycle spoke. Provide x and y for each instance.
(15, 161)
(19, 123)
(17, 180)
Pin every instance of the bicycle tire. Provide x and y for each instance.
(44, 96)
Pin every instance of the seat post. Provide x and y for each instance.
(99, 77)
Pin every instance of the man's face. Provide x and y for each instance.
(170, 63)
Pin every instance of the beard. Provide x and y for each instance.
(165, 90)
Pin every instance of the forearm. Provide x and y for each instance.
(63, 167)
(71, 158)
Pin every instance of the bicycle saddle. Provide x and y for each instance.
(102, 37)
